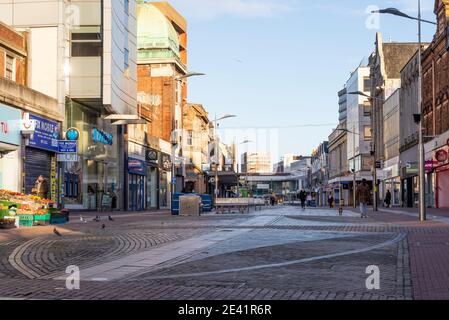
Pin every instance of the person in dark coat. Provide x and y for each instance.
(302, 199)
(330, 200)
(388, 199)
(363, 197)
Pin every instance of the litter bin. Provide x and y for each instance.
(190, 205)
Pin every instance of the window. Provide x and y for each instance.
(190, 138)
(126, 57)
(87, 44)
(127, 7)
(9, 68)
(366, 84)
(367, 132)
(367, 109)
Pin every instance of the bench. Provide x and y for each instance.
(241, 205)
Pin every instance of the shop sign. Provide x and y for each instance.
(54, 181)
(66, 146)
(166, 163)
(102, 137)
(151, 155)
(205, 167)
(46, 135)
(441, 156)
(136, 166)
(27, 126)
(72, 134)
(430, 165)
(8, 132)
(263, 186)
(412, 168)
(68, 157)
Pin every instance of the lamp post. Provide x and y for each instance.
(216, 140)
(246, 172)
(174, 138)
(422, 177)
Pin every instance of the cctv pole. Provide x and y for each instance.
(353, 168)
(422, 177)
(217, 160)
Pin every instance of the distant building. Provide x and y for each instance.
(256, 163)
(320, 173)
(285, 163)
(386, 63)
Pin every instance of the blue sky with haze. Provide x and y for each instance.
(280, 63)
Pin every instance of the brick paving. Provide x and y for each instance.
(413, 268)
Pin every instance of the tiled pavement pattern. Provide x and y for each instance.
(312, 254)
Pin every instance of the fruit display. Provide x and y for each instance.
(29, 208)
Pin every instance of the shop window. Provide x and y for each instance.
(71, 182)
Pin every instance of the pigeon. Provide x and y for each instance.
(56, 232)
(82, 219)
(103, 226)
(110, 218)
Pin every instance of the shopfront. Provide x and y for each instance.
(392, 182)
(96, 170)
(40, 155)
(10, 142)
(152, 158)
(164, 181)
(441, 168)
(137, 172)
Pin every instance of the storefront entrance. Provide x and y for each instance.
(442, 189)
(136, 192)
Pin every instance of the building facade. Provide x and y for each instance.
(256, 162)
(162, 90)
(84, 55)
(435, 109)
(391, 175)
(320, 173)
(385, 64)
(30, 121)
(195, 147)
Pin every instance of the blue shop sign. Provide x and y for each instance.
(67, 146)
(102, 137)
(136, 166)
(46, 135)
(9, 130)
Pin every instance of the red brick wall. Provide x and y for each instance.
(161, 115)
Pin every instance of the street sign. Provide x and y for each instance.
(66, 146)
(68, 157)
(211, 180)
(173, 180)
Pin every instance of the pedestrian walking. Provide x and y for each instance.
(330, 200)
(363, 197)
(388, 199)
(302, 199)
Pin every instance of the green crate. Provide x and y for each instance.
(26, 217)
(42, 217)
(26, 223)
(7, 203)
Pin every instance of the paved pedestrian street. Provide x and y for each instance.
(278, 253)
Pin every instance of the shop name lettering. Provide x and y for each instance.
(46, 126)
(103, 137)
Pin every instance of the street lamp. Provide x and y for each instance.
(174, 137)
(422, 177)
(226, 116)
(373, 151)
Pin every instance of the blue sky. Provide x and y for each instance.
(280, 63)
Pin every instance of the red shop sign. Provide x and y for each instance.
(441, 156)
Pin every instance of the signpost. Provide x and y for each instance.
(67, 146)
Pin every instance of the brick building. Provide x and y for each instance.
(435, 108)
(196, 138)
